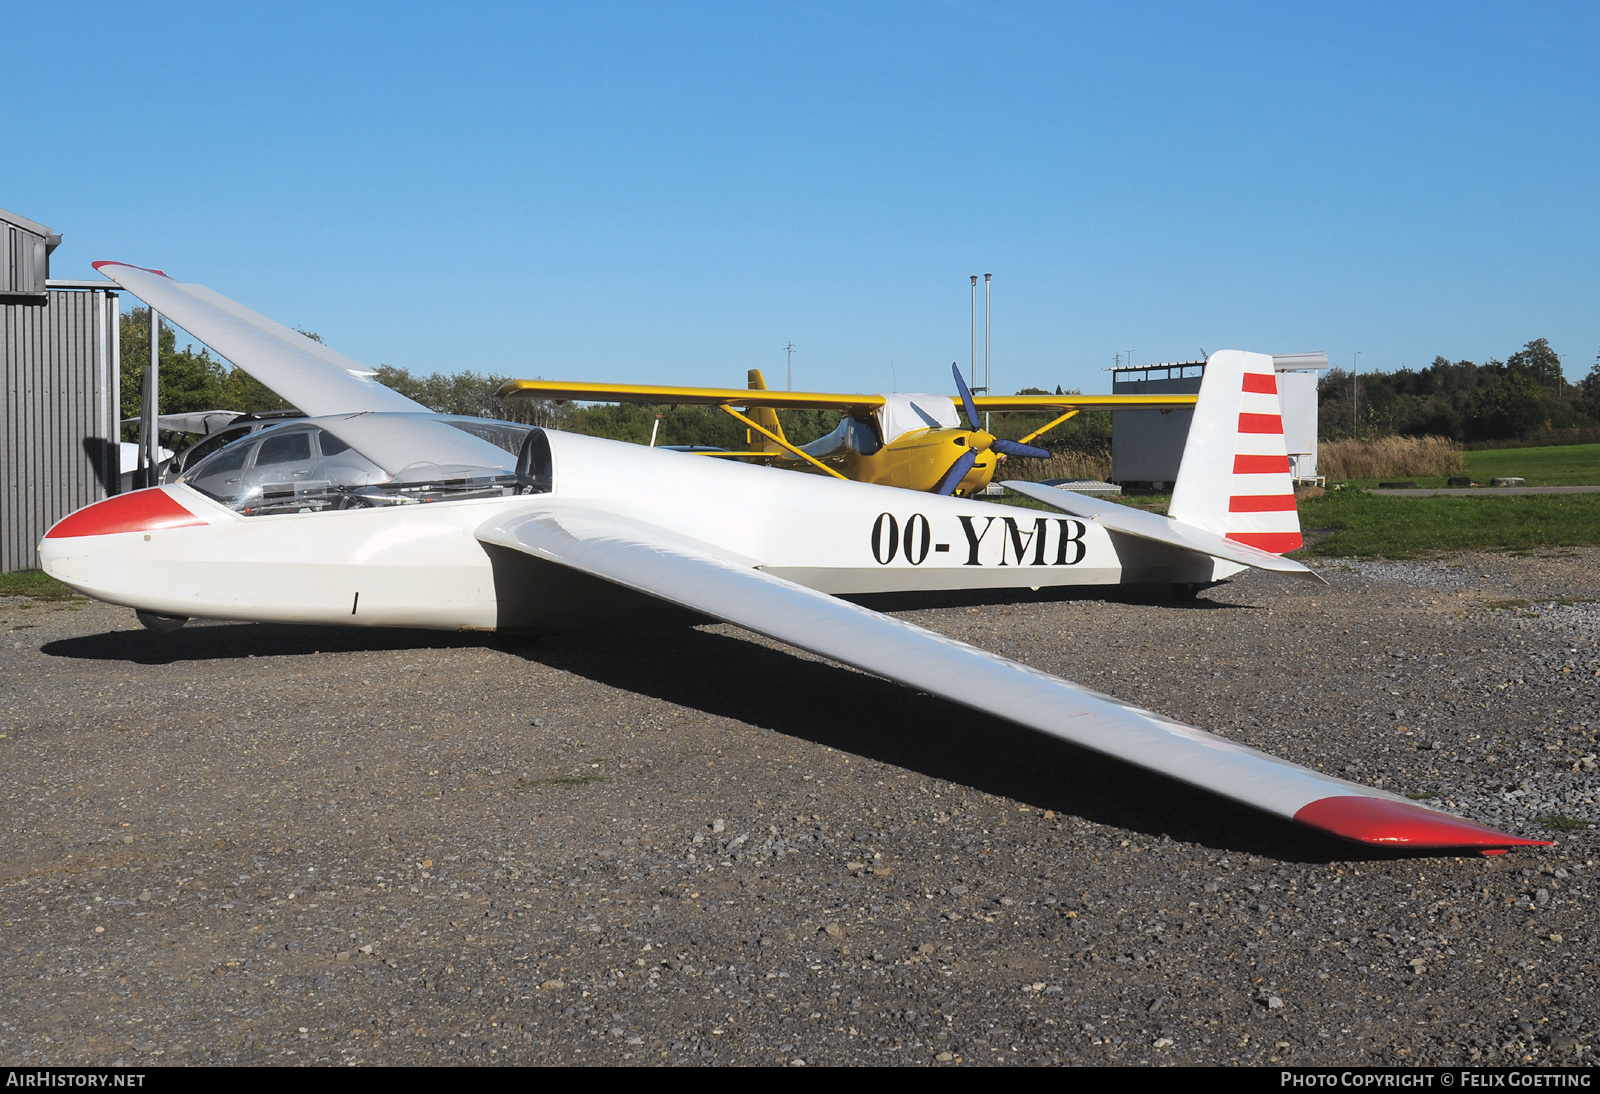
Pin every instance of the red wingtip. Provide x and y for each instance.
(131, 266)
(1386, 823)
(140, 511)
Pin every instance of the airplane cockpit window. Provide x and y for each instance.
(304, 468)
(850, 435)
(500, 434)
(211, 444)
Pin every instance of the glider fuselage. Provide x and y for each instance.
(422, 565)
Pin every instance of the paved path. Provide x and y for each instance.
(1488, 491)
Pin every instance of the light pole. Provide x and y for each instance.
(987, 377)
(972, 367)
(152, 466)
(1355, 393)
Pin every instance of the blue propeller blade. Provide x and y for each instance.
(966, 398)
(1017, 448)
(957, 472)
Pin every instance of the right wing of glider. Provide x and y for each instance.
(306, 373)
(700, 577)
(1153, 526)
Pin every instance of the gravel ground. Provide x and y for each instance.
(675, 844)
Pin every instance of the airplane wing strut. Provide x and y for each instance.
(702, 578)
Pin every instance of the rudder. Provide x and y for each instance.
(1234, 480)
(764, 416)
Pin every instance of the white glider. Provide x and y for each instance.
(375, 512)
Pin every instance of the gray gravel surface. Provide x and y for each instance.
(667, 843)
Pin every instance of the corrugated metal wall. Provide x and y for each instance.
(59, 415)
(1147, 445)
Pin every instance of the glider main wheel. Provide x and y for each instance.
(1186, 590)
(161, 624)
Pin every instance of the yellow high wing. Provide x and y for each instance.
(917, 461)
(562, 391)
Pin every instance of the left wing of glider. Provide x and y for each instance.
(308, 374)
(705, 579)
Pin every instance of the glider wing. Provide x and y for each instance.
(705, 579)
(303, 371)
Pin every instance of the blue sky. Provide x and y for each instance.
(672, 192)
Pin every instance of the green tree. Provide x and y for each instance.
(1539, 363)
(243, 392)
(1525, 397)
(190, 380)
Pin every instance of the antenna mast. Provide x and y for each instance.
(790, 350)
(987, 377)
(972, 369)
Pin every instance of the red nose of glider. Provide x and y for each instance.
(140, 511)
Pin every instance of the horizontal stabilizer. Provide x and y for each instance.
(1152, 526)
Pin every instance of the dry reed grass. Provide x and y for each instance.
(1389, 457)
(1349, 459)
(1063, 465)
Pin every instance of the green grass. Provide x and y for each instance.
(1369, 525)
(34, 583)
(1559, 465)
(1366, 525)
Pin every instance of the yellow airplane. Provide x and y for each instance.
(912, 441)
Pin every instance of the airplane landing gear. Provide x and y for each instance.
(161, 624)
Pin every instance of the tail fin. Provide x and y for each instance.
(1234, 480)
(764, 416)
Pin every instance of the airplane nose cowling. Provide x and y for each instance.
(140, 511)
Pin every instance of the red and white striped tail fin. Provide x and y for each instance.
(1234, 480)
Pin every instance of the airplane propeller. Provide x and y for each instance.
(979, 440)
(957, 472)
